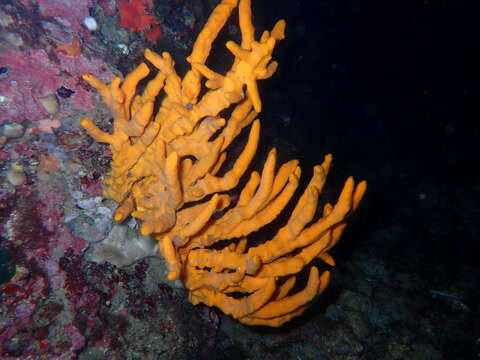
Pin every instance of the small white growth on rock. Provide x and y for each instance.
(122, 247)
(90, 23)
(89, 204)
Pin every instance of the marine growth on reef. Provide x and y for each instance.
(168, 172)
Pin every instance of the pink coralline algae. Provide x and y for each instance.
(24, 310)
(38, 237)
(32, 76)
(92, 184)
(70, 12)
(4, 155)
(20, 298)
(108, 6)
(78, 340)
(52, 220)
(28, 150)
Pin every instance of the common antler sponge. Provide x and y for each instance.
(165, 172)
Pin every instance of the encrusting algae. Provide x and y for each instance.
(165, 167)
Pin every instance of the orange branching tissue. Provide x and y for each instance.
(171, 171)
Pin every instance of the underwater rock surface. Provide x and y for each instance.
(406, 284)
